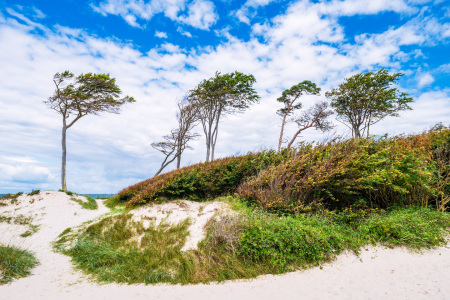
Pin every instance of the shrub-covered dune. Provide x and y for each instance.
(402, 170)
(289, 210)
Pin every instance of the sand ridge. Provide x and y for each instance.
(376, 274)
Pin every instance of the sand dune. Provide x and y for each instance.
(376, 274)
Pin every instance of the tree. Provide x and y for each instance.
(76, 97)
(219, 96)
(314, 117)
(175, 143)
(367, 98)
(289, 98)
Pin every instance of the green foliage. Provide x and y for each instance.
(289, 242)
(338, 174)
(90, 203)
(244, 245)
(367, 98)
(202, 181)
(15, 263)
(11, 198)
(34, 192)
(232, 92)
(289, 96)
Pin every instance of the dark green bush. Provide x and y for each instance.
(202, 181)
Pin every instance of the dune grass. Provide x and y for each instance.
(90, 203)
(15, 263)
(244, 245)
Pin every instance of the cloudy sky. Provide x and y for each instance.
(159, 49)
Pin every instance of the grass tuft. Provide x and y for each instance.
(90, 203)
(15, 263)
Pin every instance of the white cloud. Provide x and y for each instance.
(198, 13)
(161, 34)
(248, 10)
(425, 79)
(183, 32)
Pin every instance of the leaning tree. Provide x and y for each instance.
(177, 141)
(76, 97)
(219, 96)
(290, 104)
(367, 98)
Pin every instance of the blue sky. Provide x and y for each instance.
(158, 50)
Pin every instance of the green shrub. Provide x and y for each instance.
(202, 181)
(338, 174)
(34, 192)
(15, 263)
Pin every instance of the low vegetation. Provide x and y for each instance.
(244, 245)
(15, 263)
(294, 209)
(90, 203)
(10, 199)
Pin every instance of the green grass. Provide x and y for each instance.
(90, 203)
(34, 192)
(9, 199)
(246, 245)
(15, 263)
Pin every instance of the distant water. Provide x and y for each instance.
(90, 195)
(100, 195)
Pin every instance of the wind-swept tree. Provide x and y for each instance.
(367, 98)
(177, 141)
(289, 99)
(219, 96)
(315, 117)
(76, 97)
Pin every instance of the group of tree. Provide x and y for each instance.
(359, 102)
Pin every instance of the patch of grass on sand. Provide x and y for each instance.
(15, 263)
(244, 245)
(90, 203)
(9, 199)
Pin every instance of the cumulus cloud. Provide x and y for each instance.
(425, 79)
(161, 35)
(198, 13)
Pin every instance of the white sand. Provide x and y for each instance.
(376, 274)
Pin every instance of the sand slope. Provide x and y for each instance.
(377, 274)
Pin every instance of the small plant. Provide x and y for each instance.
(90, 203)
(11, 198)
(32, 230)
(34, 192)
(15, 263)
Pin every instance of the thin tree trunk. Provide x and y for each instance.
(281, 132)
(178, 161)
(64, 151)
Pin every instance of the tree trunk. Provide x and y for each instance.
(178, 161)
(63, 163)
(281, 132)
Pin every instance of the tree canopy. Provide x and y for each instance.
(366, 98)
(219, 96)
(289, 98)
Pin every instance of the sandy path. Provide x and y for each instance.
(376, 274)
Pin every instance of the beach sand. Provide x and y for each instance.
(377, 273)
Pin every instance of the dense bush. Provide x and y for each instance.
(410, 170)
(283, 242)
(204, 180)
(402, 170)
